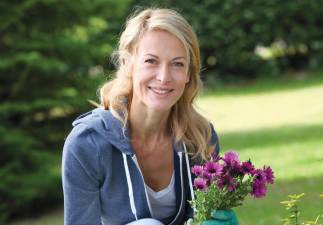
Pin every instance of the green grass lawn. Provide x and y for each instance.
(278, 124)
(274, 122)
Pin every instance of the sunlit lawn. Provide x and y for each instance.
(277, 123)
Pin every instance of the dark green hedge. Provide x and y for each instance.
(52, 58)
(230, 30)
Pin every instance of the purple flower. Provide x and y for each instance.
(269, 174)
(259, 183)
(260, 175)
(247, 167)
(213, 168)
(258, 189)
(231, 157)
(235, 170)
(232, 163)
(197, 170)
(226, 181)
(200, 183)
(208, 177)
(215, 157)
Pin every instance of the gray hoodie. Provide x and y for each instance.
(101, 182)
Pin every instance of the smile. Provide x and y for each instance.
(160, 91)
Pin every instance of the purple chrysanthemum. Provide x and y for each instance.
(197, 170)
(247, 167)
(231, 175)
(226, 181)
(213, 168)
(200, 183)
(231, 157)
(215, 157)
(232, 163)
(259, 183)
(208, 177)
(258, 189)
(269, 174)
(235, 169)
(260, 175)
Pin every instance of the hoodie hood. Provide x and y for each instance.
(112, 130)
(109, 127)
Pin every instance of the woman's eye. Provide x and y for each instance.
(150, 61)
(179, 64)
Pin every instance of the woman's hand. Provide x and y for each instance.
(222, 217)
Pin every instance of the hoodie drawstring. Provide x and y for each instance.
(129, 183)
(188, 172)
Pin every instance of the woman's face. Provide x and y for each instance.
(160, 71)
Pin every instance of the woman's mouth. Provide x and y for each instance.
(160, 91)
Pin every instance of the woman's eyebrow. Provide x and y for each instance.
(152, 55)
(155, 56)
(179, 57)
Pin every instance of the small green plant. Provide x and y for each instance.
(293, 208)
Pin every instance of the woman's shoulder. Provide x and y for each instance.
(97, 131)
(80, 142)
(86, 134)
(97, 122)
(98, 119)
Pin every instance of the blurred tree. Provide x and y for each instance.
(52, 58)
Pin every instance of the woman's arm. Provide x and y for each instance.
(80, 174)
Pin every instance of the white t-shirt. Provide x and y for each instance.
(163, 202)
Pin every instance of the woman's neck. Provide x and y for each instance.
(148, 125)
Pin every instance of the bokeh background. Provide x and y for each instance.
(263, 75)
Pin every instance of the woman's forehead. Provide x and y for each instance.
(160, 42)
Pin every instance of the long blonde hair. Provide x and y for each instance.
(186, 124)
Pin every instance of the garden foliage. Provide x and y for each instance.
(292, 206)
(51, 55)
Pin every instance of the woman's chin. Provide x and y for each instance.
(160, 107)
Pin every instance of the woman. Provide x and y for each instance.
(128, 159)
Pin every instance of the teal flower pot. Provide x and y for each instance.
(222, 217)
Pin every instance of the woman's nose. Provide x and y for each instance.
(163, 74)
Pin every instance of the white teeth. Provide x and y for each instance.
(160, 91)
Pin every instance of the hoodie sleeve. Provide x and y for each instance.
(215, 139)
(80, 177)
